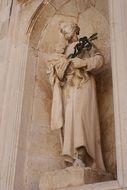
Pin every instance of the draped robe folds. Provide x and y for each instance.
(74, 104)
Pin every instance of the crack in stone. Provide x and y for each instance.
(10, 10)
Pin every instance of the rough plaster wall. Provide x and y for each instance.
(43, 145)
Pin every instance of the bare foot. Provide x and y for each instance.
(78, 163)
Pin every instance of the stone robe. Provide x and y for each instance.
(74, 104)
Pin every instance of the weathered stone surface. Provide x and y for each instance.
(106, 112)
(70, 177)
(37, 166)
(44, 18)
(98, 186)
(83, 5)
(69, 9)
(58, 3)
(44, 142)
(104, 91)
(3, 29)
(62, 178)
(102, 7)
(42, 104)
(92, 21)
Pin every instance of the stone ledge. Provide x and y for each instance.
(71, 177)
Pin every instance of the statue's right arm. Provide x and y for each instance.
(57, 67)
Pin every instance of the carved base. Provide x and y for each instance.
(70, 177)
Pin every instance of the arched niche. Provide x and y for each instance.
(39, 148)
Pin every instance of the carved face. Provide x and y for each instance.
(74, 38)
(70, 31)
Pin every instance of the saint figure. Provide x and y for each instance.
(74, 104)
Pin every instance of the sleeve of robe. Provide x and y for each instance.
(92, 63)
(56, 73)
(95, 61)
(57, 66)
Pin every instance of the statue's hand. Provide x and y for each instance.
(78, 163)
(78, 63)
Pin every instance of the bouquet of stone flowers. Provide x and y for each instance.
(84, 43)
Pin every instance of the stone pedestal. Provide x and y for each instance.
(71, 177)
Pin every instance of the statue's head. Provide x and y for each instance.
(70, 30)
(68, 33)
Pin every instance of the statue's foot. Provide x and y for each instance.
(78, 163)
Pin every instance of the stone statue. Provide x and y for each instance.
(74, 105)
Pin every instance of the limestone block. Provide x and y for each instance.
(71, 177)
(62, 178)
